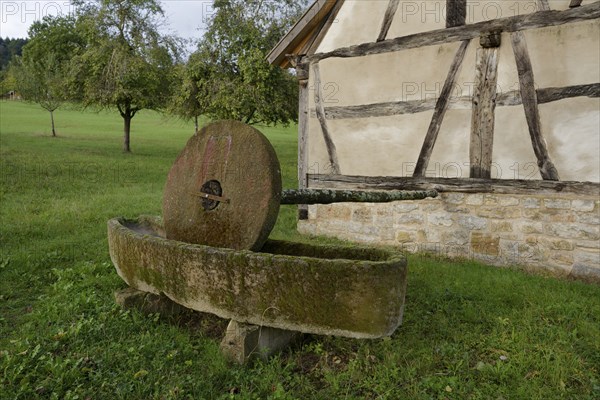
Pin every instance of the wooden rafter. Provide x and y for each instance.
(297, 35)
(530, 104)
(324, 29)
(440, 110)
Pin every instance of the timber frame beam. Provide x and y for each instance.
(535, 20)
(463, 185)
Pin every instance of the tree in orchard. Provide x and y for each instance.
(194, 89)
(244, 86)
(42, 73)
(127, 64)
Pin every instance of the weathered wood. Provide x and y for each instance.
(456, 13)
(328, 196)
(532, 187)
(542, 5)
(512, 98)
(320, 108)
(530, 104)
(483, 117)
(575, 3)
(303, 119)
(388, 18)
(490, 39)
(440, 110)
(470, 31)
(309, 21)
(549, 95)
(327, 22)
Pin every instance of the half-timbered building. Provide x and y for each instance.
(495, 104)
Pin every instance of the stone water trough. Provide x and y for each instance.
(209, 252)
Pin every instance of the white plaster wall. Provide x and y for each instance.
(572, 131)
(358, 21)
(450, 156)
(485, 10)
(387, 77)
(561, 56)
(418, 16)
(513, 156)
(385, 146)
(565, 55)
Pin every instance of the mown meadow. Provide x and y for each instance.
(470, 331)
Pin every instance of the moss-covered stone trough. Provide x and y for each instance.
(354, 292)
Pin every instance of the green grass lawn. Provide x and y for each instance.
(470, 331)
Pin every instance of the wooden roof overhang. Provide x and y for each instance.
(305, 35)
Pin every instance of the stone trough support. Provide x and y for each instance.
(243, 342)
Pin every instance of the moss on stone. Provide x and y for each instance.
(348, 291)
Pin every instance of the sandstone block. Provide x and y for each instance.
(502, 226)
(589, 218)
(531, 203)
(405, 237)
(573, 231)
(557, 244)
(405, 207)
(499, 212)
(532, 227)
(453, 198)
(509, 201)
(560, 204)
(440, 219)
(474, 199)
(460, 237)
(485, 244)
(362, 214)
(471, 222)
(335, 211)
(583, 205)
(410, 219)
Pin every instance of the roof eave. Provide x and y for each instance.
(298, 33)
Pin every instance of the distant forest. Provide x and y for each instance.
(8, 49)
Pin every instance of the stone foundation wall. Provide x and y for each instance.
(559, 233)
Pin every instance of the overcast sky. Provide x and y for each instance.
(184, 17)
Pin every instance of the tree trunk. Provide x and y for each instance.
(126, 130)
(196, 125)
(52, 120)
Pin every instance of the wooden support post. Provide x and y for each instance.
(320, 108)
(388, 19)
(530, 104)
(456, 13)
(483, 118)
(543, 5)
(440, 110)
(575, 3)
(302, 72)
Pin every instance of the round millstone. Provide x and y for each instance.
(224, 188)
